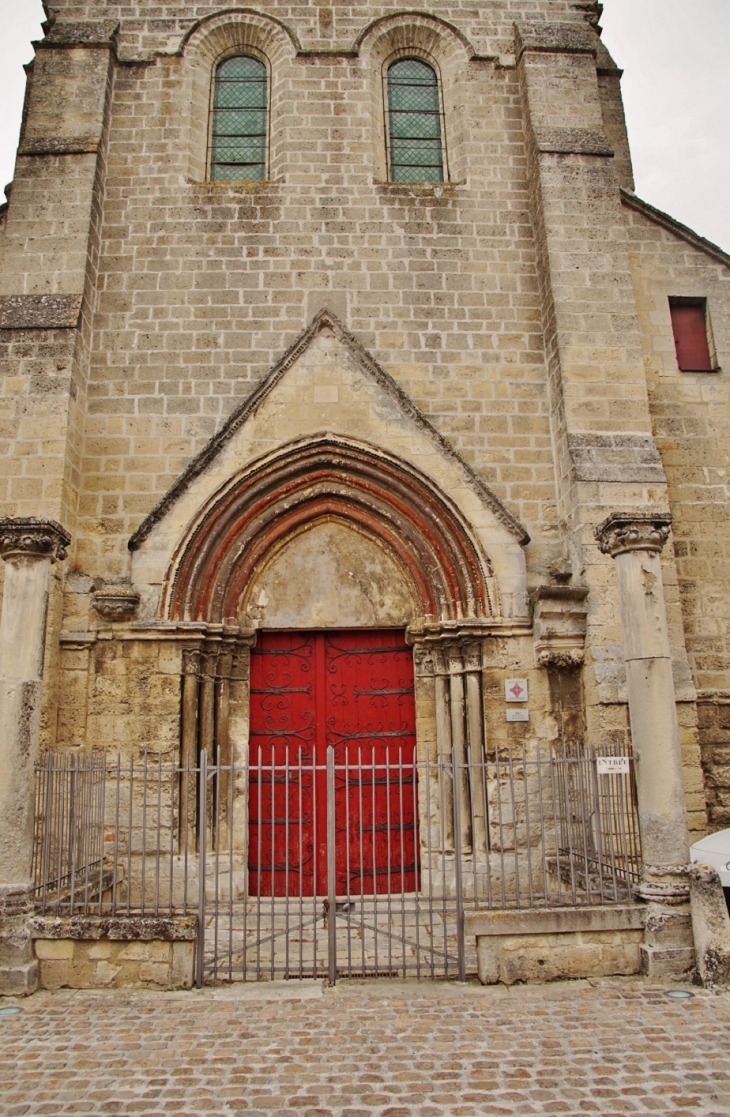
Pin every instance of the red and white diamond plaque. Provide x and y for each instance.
(515, 690)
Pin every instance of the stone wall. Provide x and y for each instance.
(690, 421)
(83, 952)
(550, 944)
(713, 712)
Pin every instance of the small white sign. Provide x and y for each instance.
(515, 690)
(517, 715)
(610, 765)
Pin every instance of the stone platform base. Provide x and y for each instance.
(86, 953)
(546, 945)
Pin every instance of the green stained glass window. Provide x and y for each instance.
(240, 109)
(414, 123)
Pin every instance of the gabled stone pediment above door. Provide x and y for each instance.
(328, 392)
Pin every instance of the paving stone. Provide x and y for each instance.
(615, 1047)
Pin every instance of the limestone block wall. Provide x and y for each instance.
(203, 287)
(85, 953)
(317, 27)
(69, 964)
(691, 422)
(120, 694)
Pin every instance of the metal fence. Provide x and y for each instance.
(69, 867)
(350, 864)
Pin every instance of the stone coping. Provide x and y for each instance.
(131, 928)
(551, 921)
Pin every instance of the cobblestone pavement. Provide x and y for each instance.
(369, 1049)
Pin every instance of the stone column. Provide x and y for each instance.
(457, 704)
(635, 542)
(475, 744)
(29, 547)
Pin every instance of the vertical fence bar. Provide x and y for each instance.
(202, 827)
(460, 944)
(331, 870)
(272, 874)
(361, 844)
(174, 829)
(216, 852)
(47, 827)
(231, 781)
(158, 834)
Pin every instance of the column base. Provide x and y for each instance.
(18, 967)
(667, 952)
(666, 962)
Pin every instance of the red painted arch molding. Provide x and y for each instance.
(249, 519)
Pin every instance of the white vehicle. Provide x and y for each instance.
(715, 851)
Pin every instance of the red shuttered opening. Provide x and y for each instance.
(689, 325)
(352, 691)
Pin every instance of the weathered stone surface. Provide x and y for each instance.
(39, 312)
(560, 625)
(572, 141)
(140, 928)
(616, 458)
(545, 945)
(86, 952)
(110, 964)
(331, 576)
(710, 925)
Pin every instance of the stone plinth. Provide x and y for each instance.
(82, 952)
(544, 945)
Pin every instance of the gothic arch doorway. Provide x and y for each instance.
(342, 596)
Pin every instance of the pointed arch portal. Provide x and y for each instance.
(329, 479)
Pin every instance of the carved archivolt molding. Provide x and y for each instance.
(29, 538)
(633, 531)
(330, 479)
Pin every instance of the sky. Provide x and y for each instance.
(676, 90)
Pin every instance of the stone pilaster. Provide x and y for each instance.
(635, 541)
(28, 547)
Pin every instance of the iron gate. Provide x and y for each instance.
(334, 876)
(377, 907)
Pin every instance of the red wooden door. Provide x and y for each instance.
(352, 691)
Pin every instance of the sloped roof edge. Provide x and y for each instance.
(658, 216)
(324, 318)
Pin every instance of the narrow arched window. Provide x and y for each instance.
(240, 112)
(414, 123)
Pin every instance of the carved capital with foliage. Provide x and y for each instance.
(635, 531)
(29, 538)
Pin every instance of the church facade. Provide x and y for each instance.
(347, 319)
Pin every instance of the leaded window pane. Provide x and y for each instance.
(414, 113)
(238, 140)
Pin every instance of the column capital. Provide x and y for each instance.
(27, 537)
(633, 531)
